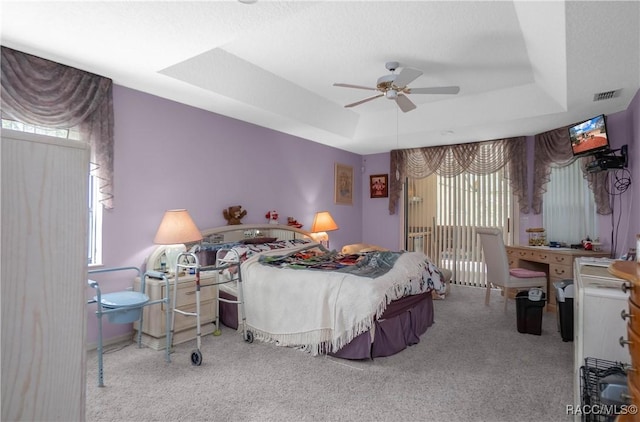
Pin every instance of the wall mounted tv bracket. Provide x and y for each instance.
(609, 160)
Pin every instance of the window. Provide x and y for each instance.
(443, 213)
(568, 206)
(95, 208)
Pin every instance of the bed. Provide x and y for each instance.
(358, 305)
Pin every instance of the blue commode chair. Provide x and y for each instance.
(125, 307)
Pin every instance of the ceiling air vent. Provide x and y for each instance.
(607, 95)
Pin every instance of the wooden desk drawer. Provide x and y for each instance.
(523, 254)
(541, 256)
(532, 255)
(512, 258)
(561, 259)
(560, 272)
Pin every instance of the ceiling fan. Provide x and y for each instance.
(394, 87)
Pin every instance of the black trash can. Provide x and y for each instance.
(529, 313)
(564, 302)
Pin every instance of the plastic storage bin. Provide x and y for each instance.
(529, 313)
(565, 293)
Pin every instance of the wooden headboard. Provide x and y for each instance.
(235, 233)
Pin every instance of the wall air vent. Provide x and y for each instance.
(607, 95)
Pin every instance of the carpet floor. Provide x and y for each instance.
(471, 365)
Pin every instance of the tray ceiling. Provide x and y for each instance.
(522, 67)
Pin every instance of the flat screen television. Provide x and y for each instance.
(589, 137)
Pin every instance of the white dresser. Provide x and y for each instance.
(598, 324)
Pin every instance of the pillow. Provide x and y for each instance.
(256, 240)
(361, 247)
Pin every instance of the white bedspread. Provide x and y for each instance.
(321, 311)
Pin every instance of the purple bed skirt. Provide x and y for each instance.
(401, 325)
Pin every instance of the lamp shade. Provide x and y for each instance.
(177, 227)
(323, 222)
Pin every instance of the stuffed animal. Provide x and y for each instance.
(234, 214)
(293, 222)
(272, 217)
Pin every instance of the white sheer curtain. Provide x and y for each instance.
(568, 208)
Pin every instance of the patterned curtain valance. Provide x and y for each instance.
(451, 160)
(44, 93)
(554, 147)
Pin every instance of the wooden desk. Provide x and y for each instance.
(556, 262)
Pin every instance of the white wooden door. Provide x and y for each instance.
(44, 270)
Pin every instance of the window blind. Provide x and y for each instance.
(443, 213)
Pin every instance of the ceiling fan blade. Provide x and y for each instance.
(434, 90)
(364, 101)
(406, 76)
(405, 103)
(356, 86)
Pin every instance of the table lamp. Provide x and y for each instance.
(176, 229)
(322, 223)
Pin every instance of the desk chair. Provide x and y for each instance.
(498, 272)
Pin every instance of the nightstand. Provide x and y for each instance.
(154, 319)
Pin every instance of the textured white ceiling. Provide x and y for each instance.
(522, 67)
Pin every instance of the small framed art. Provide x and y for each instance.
(343, 184)
(379, 186)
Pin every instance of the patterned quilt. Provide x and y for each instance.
(316, 257)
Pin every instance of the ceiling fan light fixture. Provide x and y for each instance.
(395, 86)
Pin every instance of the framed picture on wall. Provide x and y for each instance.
(343, 184)
(379, 186)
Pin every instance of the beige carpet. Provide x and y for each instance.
(472, 365)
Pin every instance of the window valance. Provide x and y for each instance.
(451, 160)
(44, 93)
(554, 148)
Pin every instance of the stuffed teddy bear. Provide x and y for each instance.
(234, 214)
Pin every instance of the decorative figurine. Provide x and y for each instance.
(234, 214)
(272, 217)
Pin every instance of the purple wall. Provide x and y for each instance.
(378, 227)
(634, 165)
(169, 155)
(625, 224)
